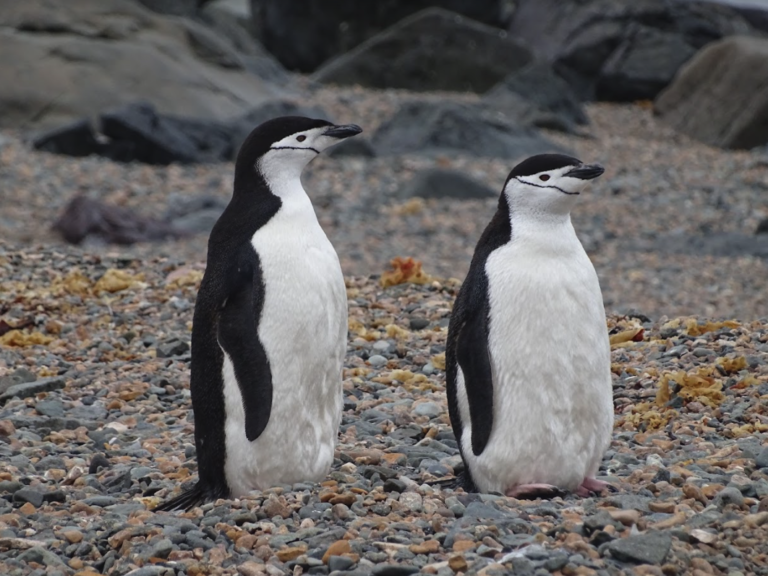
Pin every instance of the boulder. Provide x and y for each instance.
(620, 50)
(440, 127)
(138, 133)
(303, 34)
(432, 50)
(85, 218)
(65, 61)
(720, 96)
(536, 95)
(753, 11)
(173, 7)
(642, 65)
(442, 183)
(230, 19)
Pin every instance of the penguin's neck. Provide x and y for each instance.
(284, 181)
(545, 232)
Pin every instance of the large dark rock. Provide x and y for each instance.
(75, 139)
(303, 34)
(621, 50)
(173, 7)
(538, 96)
(442, 183)
(432, 50)
(87, 218)
(63, 61)
(429, 127)
(720, 96)
(138, 133)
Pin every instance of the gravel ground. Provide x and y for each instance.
(95, 425)
(97, 430)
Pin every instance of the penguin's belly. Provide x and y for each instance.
(548, 342)
(303, 329)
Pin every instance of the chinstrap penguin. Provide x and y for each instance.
(528, 358)
(269, 330)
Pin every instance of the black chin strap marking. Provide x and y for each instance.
(540, 186)
(294, 148)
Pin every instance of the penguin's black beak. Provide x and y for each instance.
(586, 171)
(343, 131)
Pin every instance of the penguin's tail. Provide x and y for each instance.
(187, 500)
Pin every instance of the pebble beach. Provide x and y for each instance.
(95, 421)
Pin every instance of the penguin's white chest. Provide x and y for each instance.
(550, 356)
(303, 329)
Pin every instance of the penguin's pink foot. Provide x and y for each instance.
(591, 485)
(531, 491)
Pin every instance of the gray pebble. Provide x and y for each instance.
(29, 495)
(428, 409)
(762, 458)
(648, 548)
(340, 563)
(729, 495)
(381, 346)
(377, 360)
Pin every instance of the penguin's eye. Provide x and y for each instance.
(544, 177)
(301, 138)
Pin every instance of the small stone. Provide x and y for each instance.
(663, 507)
(340, 563)
(426, 547)
(377, 360)
(754, 520)
(251, 568)
(348, 498)
(273, 507)
(762, 458)
(729, 495)
(430, 409)
(72, 536)
(98, 462)
(417, 323)
(457, 563)
(340, 511)
(33, 497)
(337, 549)
(413, 501)
(703, 536)
(246, 541)
(162, 548)
(463, 545)
(648, 548)
(290, 553)
(7, 428)
(41, 556)
(626, 517)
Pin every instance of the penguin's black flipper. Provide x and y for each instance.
(238, 336)
(467, 345)
(475, 361)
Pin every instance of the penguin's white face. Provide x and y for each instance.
(550, 191)
(288, 156)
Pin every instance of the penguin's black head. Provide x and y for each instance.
(548, 182)
(288, 143)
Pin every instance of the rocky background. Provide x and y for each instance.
(119, 121)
